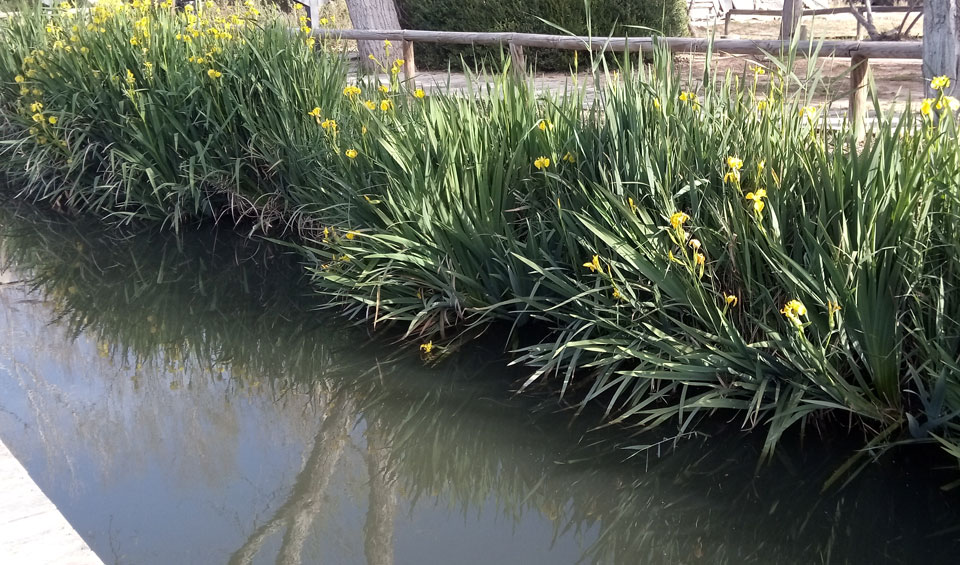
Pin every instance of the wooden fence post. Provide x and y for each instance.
(409, 65)
(792, 10)
(518, 61)
(313, 14)
(859, 68)
(941, 41)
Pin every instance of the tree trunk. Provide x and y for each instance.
(375, 14)
(306, 497)
(865, 21)
(378, 531)
(941, 42)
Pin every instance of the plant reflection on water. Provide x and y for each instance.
(183, 336)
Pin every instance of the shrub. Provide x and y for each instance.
(607, 17)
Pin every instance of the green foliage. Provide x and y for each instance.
(831, 296)
(163, 116)
(556, 17)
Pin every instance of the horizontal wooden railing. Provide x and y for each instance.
(838, 48)
(859, 52)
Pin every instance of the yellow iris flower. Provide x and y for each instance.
(594, 265)
(940, 82)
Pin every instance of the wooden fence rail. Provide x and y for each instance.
(859, 52)
(758, 47)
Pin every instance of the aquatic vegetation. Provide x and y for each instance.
(161, 307)
(673, 249)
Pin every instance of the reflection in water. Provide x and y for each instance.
(182, 403)
(298, 513)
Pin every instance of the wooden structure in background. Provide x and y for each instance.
(789, 19)
(858, 51)
(839, 48)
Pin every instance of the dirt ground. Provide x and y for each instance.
(833, 26)
(895, 80)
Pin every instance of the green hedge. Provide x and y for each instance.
(616, 17)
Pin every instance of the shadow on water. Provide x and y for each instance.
(198, 371)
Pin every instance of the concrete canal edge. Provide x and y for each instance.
(32, 530)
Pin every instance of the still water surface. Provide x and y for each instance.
(183, 403)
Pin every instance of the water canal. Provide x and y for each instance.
(184, 402)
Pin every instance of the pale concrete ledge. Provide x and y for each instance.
(32, 530)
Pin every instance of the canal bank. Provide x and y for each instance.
(32, 530)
